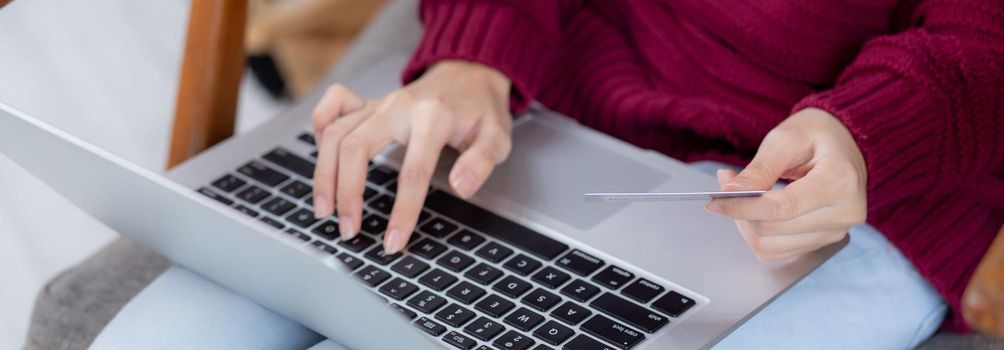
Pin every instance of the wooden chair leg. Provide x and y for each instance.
(210, 77)
(983, 302)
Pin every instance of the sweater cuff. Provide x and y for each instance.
(889, 118)
(490, 33)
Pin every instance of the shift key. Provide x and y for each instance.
(629, 312)
(615, 333)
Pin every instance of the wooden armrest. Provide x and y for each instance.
(983, 301)
(210, 77)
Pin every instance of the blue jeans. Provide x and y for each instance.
(868, 296)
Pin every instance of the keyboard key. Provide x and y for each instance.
(494, 305)
(427, 302)
(369, 193)
(398, 289)
(437, 279)
(246, 211)
(272, 222)
(383, 204)
(410, 267)
(296, 189)
(408, 314)
(553, 333)
(215, 196)
(551, 277)
(580, 263)
(484, 329)
(327, 230)
(324, 247)
(455, 261)
(429, 326)
(465, 239)
(372, 276)
(580, 290)
(496, 226)
(459, 341)
(673, 304)
(642, 290)
(629, 312)
(350, 261)
(512, 287)
(541, 299)
(465, 292)
(524, 319)
(278, 206)
(291, 162)
(613, 332)
(424, 216)
(613, 277)
(303, 218)
(541, 347)
(438, 227)
(228, 183)
(522, 264)
(513, 341)
(381, 175)
(374, 224)
(308, 138)
(292, 232)
(377, 255)
(253, 195)
(428, 249)
(571, 313)
(262, 173)
(455, 315)
(583, 342)
(357, 243)
(483, 273)
(494, 252)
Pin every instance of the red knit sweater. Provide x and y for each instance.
(920, 85)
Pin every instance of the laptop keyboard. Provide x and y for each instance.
(470, 278)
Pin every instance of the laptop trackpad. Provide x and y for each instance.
(550, 168)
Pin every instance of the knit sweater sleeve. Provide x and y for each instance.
(926, 108)
(517, 37)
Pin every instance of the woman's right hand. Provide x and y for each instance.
(457, 103)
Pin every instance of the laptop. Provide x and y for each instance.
(524, 264)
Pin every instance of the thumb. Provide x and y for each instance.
(724, 176)
(772, 160)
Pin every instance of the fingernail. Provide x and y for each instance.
(345, 228)
(464, 184)
(715, 208)
(321, 207)
(392, 242)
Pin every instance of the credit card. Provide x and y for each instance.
(667, 196)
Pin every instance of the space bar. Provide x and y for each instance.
(494, 225)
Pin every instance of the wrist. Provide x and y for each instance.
(471, 71)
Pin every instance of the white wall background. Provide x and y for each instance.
(105, 70)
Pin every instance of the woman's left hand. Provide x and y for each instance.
(826, 197)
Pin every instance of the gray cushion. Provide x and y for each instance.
(73, 308)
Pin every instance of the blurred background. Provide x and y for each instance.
(106, 71)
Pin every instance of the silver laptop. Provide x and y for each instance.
(525, 264)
